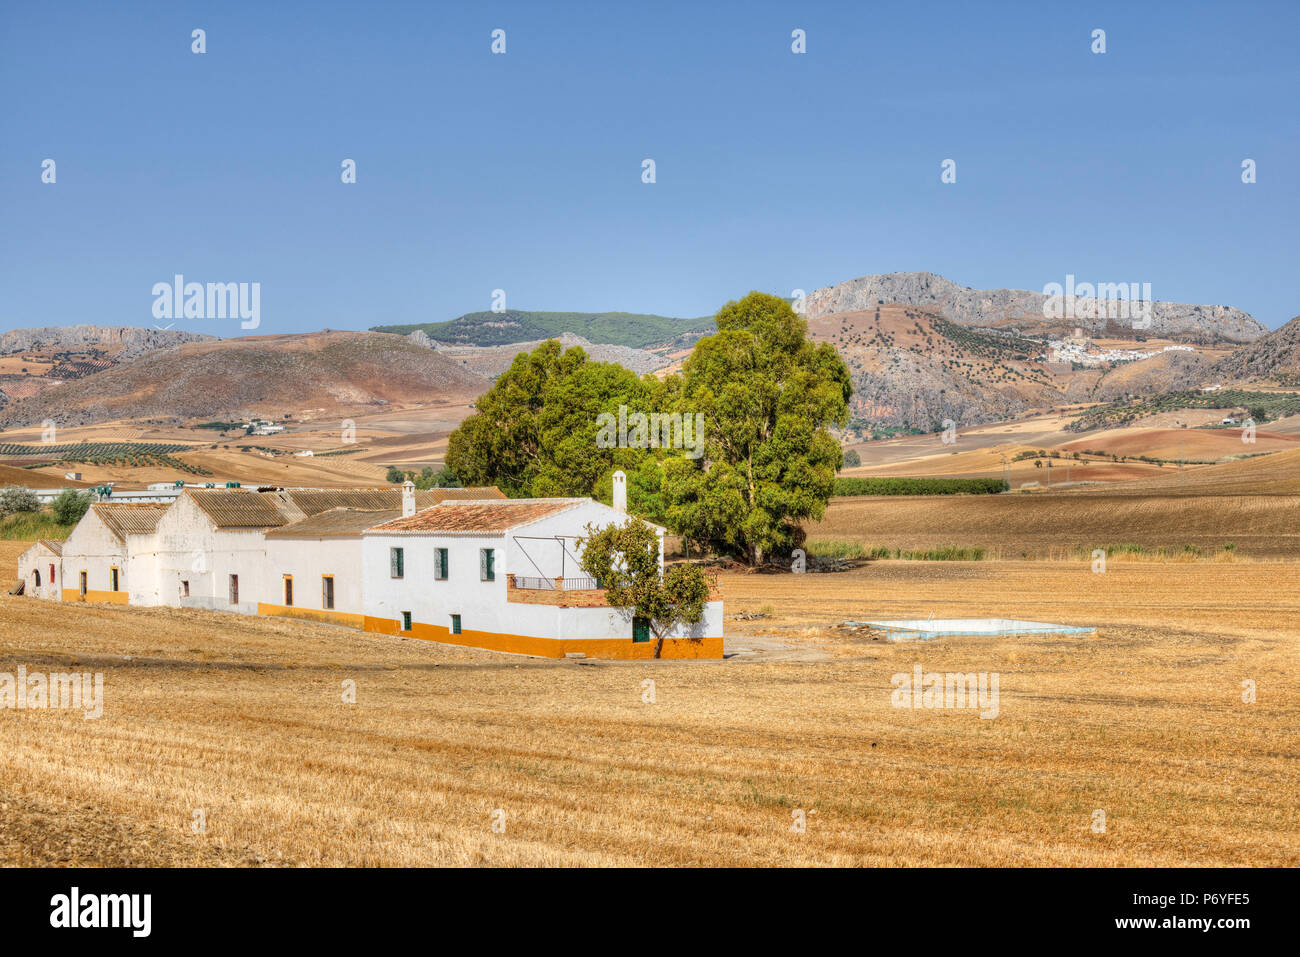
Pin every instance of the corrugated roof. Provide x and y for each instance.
(480, 516)
(336, 522)
(313, 501)
(238, 508)
(134, 518)
(475, 492)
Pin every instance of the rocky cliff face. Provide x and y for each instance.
(1022, 309)
(1275, 356)
(128, 341)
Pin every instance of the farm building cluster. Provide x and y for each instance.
(464, 566)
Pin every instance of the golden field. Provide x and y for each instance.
(243, 718)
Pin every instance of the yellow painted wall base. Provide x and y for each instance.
(551, 647)
(312, 614)
(624, 648)
(101, 597)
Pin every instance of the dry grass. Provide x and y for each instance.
(243, 718)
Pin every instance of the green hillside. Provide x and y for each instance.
(513, 325)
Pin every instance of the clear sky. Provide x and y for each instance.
(523, 171)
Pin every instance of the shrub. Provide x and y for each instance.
(14, 499)
(70, 505)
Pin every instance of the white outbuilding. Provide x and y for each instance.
(111, 556)
(40, 569)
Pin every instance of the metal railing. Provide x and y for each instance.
(554, 584)
(578, 584)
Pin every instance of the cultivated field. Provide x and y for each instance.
(243, 719)
(1252, 504)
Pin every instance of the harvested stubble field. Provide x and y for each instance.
(243, 718)
(1055, 524)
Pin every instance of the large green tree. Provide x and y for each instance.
(534, 432)
(769, 396)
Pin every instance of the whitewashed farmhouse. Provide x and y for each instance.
(465, 566)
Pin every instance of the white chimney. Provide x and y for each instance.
(620, 492)
(408, 498)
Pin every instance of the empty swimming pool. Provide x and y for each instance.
(922, 629)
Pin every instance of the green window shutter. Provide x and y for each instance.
(640, 629)
(487, 564)
(440, 563)
(396, 562)
(455, 624)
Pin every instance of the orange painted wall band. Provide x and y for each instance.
(624, 648)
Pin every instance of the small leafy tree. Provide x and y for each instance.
(394, 474)
(70, 505)
(14, 499)
(852, 459)
(624, 559)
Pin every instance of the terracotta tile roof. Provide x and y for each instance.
(53, 544)
(480, 516)
(337, 522)
(134, 518)
(238, 508)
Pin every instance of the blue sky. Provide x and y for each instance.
(522, 171)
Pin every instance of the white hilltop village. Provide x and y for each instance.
(1078, 348)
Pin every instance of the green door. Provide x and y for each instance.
(640, 629)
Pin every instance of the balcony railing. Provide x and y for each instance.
(554, 584)
(577, 584)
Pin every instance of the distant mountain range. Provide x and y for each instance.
(124, 341)
(920, 349)
(1023, 311)
(635, 330)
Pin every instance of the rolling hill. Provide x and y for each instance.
(263, 375)
(503, 328)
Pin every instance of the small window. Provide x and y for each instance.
(37, 573)
(455, 624)
(81, 583)
(234, 589)
(51, 574)
(397, 562)
(640, 629)
(487, 564)
(406, 621)
(440, 564)
(327, 591)
(288, 591)
(112, 579)
(185, 586)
